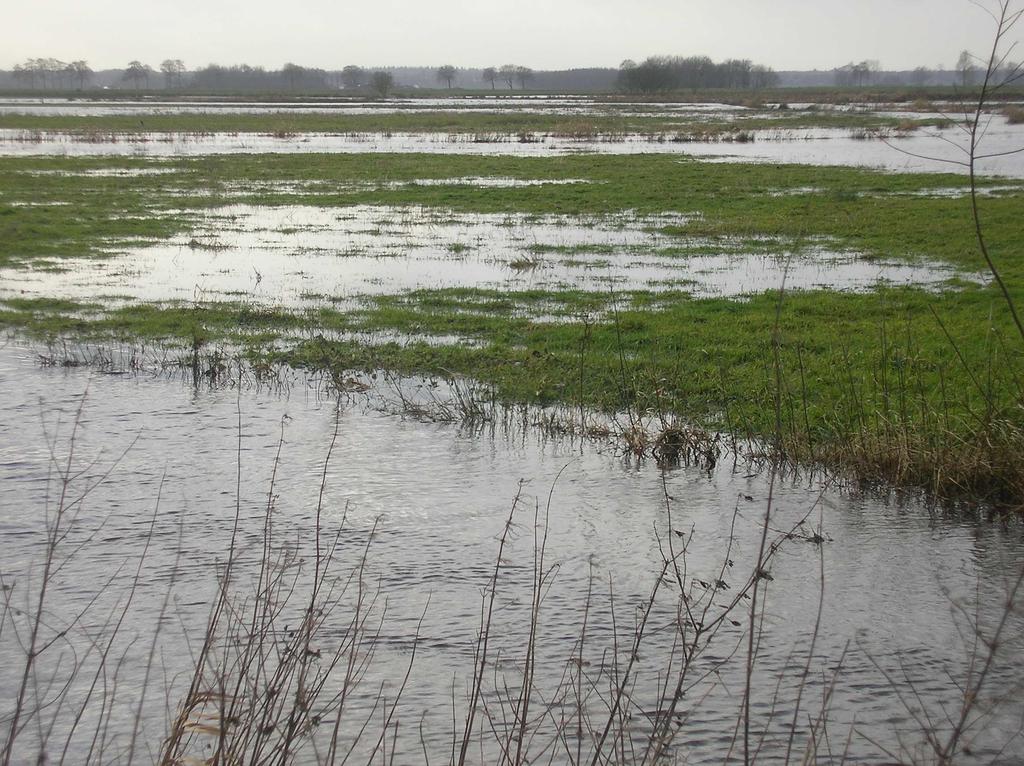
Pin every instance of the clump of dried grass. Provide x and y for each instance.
(1014, 115)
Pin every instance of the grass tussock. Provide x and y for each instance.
(1014, 115)
(978, 466)
(678, 444)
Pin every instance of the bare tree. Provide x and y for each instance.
(39, 68)
(762, 77)
(172, 69)
(858, 75)
(382, 82)
(921, 76)
(80, 72)
(42, 71)
(735, 73)
(626, 76)
(447, 75)
(23, 74)
(136, 73)
(996, 76)
(293, 73)
(523, 75)
(507, 73)
(966, 68)
(989, 643)
(353, 77)
(51, 72)
(490, 74)
(60, 71)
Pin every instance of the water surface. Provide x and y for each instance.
(928, 151)
(894, 572)
(295, 256)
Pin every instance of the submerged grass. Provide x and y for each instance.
(870, 383)
(900, 384)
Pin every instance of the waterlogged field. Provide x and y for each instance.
(739, 381)
(300, 257)
(924, 134)
(647, 281)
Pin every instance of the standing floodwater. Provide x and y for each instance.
(901, 583)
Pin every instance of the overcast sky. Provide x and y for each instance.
(543, 34)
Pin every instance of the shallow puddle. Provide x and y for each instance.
(491, 182)
(332, 187)
(281, 255)
(112, 172)
(894, 574)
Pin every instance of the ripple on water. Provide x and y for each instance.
(440, 497)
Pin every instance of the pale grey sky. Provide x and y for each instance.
(543, 34)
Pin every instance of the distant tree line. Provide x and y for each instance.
(653, 75)
(355, 77)
(244, 77)
(856, 75)
(172, 74)
(507, 74)
(53, 73)
(668, 73)
(964, 73)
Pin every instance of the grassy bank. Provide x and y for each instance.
(905, 385)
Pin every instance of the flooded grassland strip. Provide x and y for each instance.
(870, 340)
(466, 121)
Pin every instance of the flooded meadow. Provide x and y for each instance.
(894, 138)
(926, 153)
(453, 447)
(295, 257)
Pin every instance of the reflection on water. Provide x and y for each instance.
(893, 572)
(297, 256)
